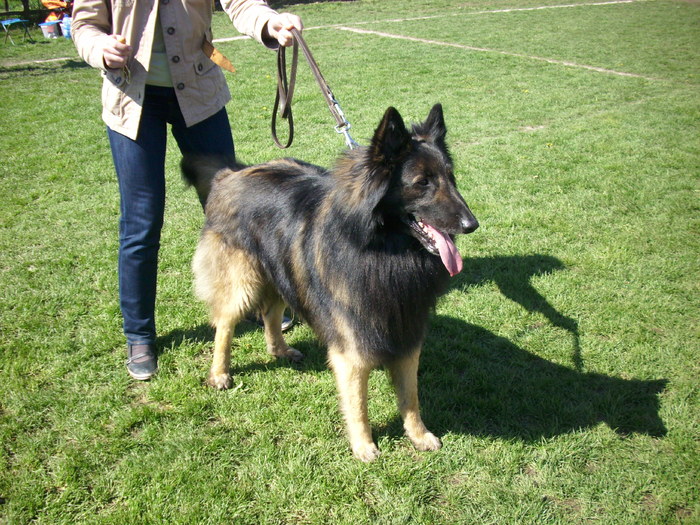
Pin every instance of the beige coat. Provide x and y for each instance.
(199, 84)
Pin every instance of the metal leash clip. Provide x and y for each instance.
(344, 128)
(285, 89)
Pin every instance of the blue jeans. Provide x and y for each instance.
(140, 167)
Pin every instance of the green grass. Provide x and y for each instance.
(561, 370)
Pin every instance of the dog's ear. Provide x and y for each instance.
(391, 139)
(433, 129)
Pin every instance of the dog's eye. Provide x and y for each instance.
(422, 181)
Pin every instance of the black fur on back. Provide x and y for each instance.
(335, 243)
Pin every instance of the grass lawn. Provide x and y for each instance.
(561, 370)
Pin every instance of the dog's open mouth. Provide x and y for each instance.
(437, 243)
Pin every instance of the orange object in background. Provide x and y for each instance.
(54, 4)
(58, 8)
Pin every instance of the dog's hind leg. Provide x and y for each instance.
(230, 282)
(272, 312)
(238, 299)
(404, 375)
(351, 375)
(219, 375)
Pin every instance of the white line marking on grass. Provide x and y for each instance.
(45, 61)
(495, 11)
(52, 60)
(443, 15)
(487, 50)
(429, 17)
(562, 6)
(233, 38)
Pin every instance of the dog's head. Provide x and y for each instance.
(421, 192)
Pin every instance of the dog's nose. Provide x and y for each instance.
(469, 224)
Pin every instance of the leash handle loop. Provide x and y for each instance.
(285, 91)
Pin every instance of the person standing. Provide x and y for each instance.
(156, 59)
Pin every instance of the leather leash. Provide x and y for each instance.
(285, 92)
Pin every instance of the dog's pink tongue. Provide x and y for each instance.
(448, 251)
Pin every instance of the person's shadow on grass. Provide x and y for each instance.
(475, 382)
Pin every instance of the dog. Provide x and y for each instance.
(361, 252)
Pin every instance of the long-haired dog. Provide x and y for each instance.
(361, 252)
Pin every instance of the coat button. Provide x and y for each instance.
(165, 2)
(200, 67)
(175, 59)
(180, 86)
(170, 30)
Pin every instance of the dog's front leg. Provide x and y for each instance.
(351, 375)
(404, 375)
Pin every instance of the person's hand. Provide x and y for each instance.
(116, 53)
(280, 26)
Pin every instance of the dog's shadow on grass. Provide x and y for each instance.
(475, 382)
(512, 275)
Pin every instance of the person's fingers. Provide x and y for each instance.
(116, 53)
(113, 60)
(120, 46)
(295, 22)
(280, 28)
(285, 37)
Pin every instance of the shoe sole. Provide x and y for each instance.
(141, 377)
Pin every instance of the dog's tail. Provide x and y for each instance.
(199, 171)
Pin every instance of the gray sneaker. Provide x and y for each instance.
(142, 362)
(287, 322)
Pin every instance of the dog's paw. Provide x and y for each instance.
(294, 355)
(366, 452)
(427, 442)
(288, 353)
(220, 381)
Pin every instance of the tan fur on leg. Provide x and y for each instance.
(352, 374)
(231, 283)
(272, 313)
(219, 376)
(404, 375)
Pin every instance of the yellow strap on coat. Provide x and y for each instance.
(217, 57)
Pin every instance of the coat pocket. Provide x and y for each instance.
(112, 97)
(203, 65)
(210, 79)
